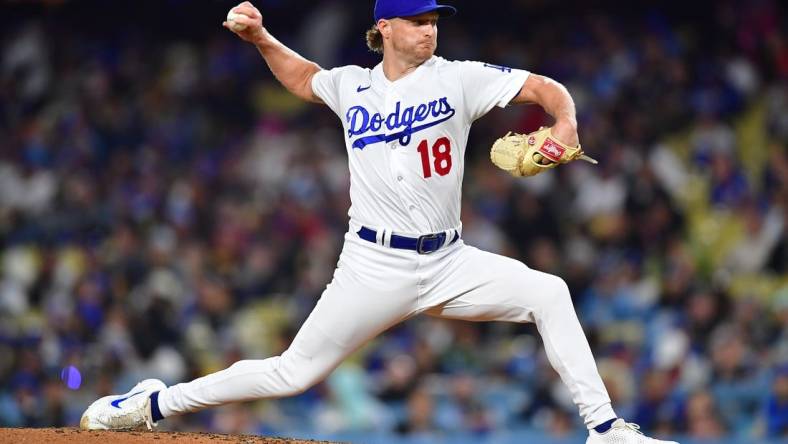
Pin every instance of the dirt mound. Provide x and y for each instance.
(69, 436)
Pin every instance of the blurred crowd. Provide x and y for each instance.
(167, 209)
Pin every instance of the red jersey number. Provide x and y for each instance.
(441, 154)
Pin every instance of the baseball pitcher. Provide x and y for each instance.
(406, 123)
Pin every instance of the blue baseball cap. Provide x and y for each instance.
(388, 9)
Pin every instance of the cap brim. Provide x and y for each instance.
(442, 10)
(446, 10)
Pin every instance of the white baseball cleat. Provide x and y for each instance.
(622, 432)
(122, 412)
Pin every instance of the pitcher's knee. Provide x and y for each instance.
(301, 381)
(298, 376)
(279, 376)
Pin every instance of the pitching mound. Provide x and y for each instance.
(69, 436)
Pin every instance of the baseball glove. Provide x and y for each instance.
(530, 154)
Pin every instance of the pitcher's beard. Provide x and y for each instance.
(424, 51)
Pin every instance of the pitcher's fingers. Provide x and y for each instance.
(249, 11)
(244, 20)
(541, 160)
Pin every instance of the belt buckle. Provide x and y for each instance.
(420, 243)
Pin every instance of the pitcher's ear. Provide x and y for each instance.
(384, 26)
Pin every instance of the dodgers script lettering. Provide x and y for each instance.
(400, 124)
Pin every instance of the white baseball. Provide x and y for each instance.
(231, 16)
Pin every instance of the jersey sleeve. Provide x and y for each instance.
(325, 85)
(485, 85)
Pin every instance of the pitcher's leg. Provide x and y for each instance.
(347, 315)
(568, 350)
(497, 288)
(311, 356)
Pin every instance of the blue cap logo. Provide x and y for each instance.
(388, 9)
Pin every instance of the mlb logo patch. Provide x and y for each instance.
(552, 150)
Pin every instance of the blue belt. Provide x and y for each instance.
(425, 244)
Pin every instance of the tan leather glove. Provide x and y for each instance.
(530, 154)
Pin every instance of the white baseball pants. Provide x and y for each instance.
(375, 287)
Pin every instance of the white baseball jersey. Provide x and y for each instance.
(406, 139)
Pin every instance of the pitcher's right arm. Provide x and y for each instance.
(293, 71)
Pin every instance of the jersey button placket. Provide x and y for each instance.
(391, 104)
(396, 159)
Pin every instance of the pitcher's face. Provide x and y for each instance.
(416, 37)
